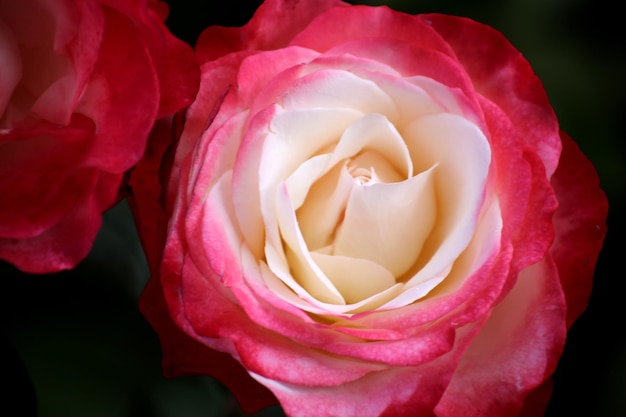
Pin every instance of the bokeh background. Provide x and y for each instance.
(74, 344)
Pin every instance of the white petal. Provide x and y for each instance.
(325, 205)
(449, 100)
(388, 223)
(298, 271)
(412, 99)
(463, 154)
(338, 89)
(311, 305)
(356, 279)
(375, 132)
(296, 136)
(305, 176)
(485, 242)
(312, 291)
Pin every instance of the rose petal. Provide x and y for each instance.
(260, 33)
(579, 228)
(65, 243)
(310, 281)
(500, 72)
(403, 213)
(326, 203)
(409, 60)
(347, 24)
(397, 391)
(334, 88)
(104, 101)
(11, 68)
(463, 155)
(356, 279)
(518, 346)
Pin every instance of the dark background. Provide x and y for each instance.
(75, 345)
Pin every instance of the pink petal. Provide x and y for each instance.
(579, 224)
(186, 355)
(500, 73)
(64, 244)
(261, 32)
(514, 352)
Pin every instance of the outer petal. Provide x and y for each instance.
(213, 105)
(160, 304)
(105, 99)
(340, 25)
(527, 199)
(395, 392)
(147, 185)
(186, 355)
(173, 59)
(261, 32)
(67, 242)
(502, 74)
(579, 224)
(50, 177)
(514, 352)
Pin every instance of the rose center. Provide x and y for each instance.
(371, 211)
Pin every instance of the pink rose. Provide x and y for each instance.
(368, 213)
(82, 83)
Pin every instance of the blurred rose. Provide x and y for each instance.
(82, 83)
(369, 213)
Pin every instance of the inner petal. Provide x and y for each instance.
(375, 132)
(463, 155)
(371, 167)
(325, 205)
(356, 279)
(291, 260)
(295, 137)
(295, 142)
(388, 223)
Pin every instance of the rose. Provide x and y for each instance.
(368, 213)
(82, 84)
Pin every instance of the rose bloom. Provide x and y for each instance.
(81, 84)
(368, 213)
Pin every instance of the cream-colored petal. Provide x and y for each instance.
(333, 88)
(411, 98)
(299, 267)
(375, 132)
(464, 155)
(356, 279)
(294, 276)
(293, 137)
(312, 278)
(328, 310)
(371, 141)
(298, 135)
(484, 243)
(371, 167)
(388, 223)
(325, 204)
(448, 100)
(300, 182)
